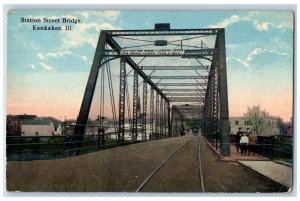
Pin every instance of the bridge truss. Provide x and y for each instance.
(183, 66)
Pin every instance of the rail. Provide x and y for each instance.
(24, 148)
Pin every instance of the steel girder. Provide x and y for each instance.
(144, 113)
(177, 77)
(165, 118)
(157, 114)
(200, 53)
(76, 139)
(181, 84)
(169, 119)
(114, 45)
(174, 67)
(216, 115)
(223, 94)
(134, 106)
(122, 100)
(151, 111)
(151, 32)
(162, 123)
(183, 90)
(183, 94)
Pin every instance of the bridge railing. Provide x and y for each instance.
(20, 148)
(273, 147)
(23, 148)
(213, 139)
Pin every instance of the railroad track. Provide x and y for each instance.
(170, 157)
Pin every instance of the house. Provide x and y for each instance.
(272, 125)
(37, 127)
(14, 122)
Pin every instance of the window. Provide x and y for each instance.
(23, 133)
(236, 122)
(36, 133)
(247, 123)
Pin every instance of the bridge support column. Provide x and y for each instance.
(222, 76)
(77, 138)
(122, 100)
(161, 117)
(169, 119)
(157, 115)
(144, 123)
(134, 106)
(151, 111)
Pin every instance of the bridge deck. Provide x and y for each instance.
(125, 168)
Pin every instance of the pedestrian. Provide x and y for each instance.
(252, 142)
(244, 143)
(238, 138)
(182, 132)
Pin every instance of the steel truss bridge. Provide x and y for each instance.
(180, 74)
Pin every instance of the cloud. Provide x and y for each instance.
(84, 58)
(85, 33)
(40, 56)
(261, 21)
(247, 62)
(59, 54)
(225, 23)
(46, 67)
(262, 26)
(108, 15)
(32, 66)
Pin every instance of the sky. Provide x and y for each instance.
(47, 71)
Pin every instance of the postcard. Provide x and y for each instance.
(150, 101)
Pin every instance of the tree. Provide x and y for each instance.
(257, 118)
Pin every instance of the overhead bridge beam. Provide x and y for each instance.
(178, 77)
(174, 67)
(186, 99)
(182, 94)
(116, 47)
(183, 90)
(161, 53)
(151, 32)
(181, 84)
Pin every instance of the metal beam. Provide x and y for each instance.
(183, 94)
(181, 84)
(223, 93)
(151, 110)
(134, 106)
(144, 123)
(161, 116)
(177, 77)
(161, 53)
(186, 100)
(88, 96)
(151, 32)
(116, 47)
(157, 114)
(182, 90)
(122, 100)
(174, 67)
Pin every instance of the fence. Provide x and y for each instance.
(22, 148)
(273, 147)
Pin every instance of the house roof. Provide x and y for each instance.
(37, 122)
(21, 117)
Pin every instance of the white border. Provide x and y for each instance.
(148, 4)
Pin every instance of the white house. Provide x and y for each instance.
(37, 127)
(271, 126)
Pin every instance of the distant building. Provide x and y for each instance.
(272, 126)
(14, 122)
(37, 127)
